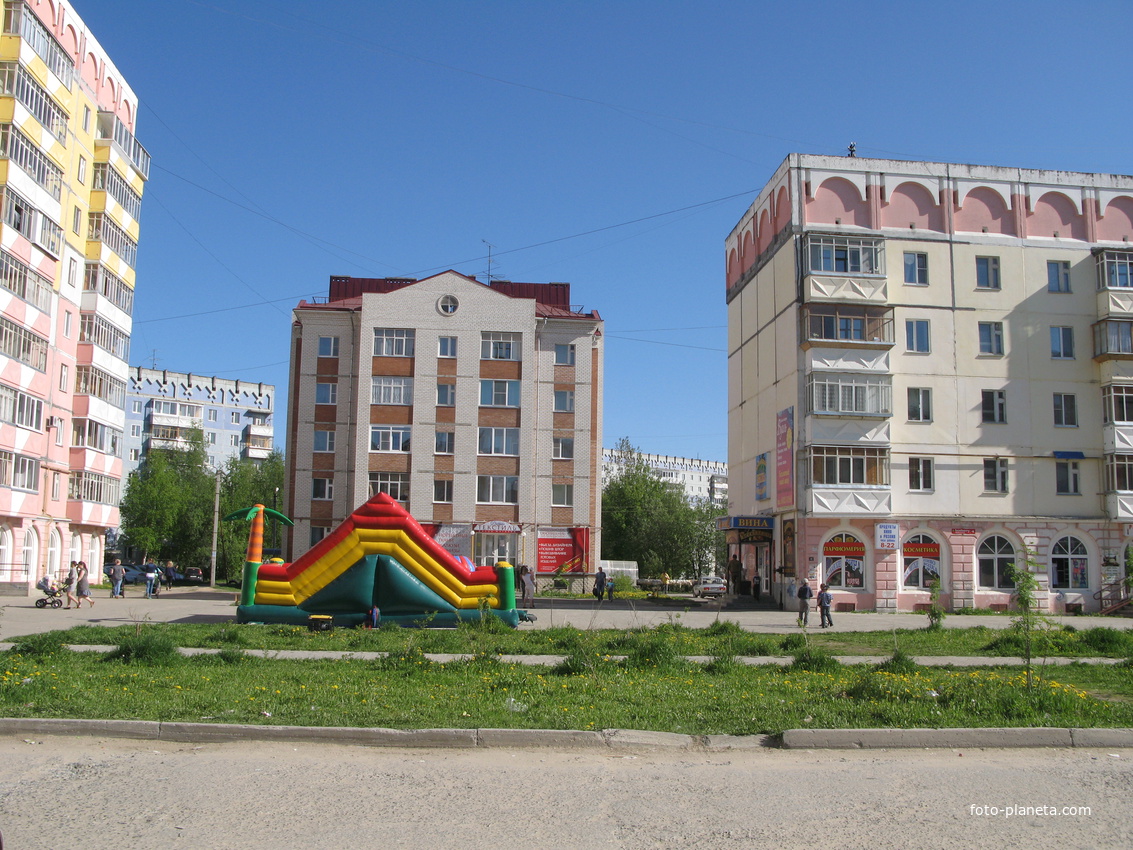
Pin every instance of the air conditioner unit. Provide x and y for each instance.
(54, 421)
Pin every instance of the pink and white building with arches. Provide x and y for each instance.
(71, 180)
(931, 380)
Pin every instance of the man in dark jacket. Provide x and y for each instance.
(805, 594)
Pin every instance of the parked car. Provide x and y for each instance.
(194, 575)
(711, 586)
(135, 574)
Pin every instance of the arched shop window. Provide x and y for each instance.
(921, 556)
(844, 562)
(996, 556)
(1069, 564)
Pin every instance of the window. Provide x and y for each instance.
(996, 556)
(77, 220)
(322, 488)
(916, 268)
(136, 432)
(447, 305)
(854, 394)
(64, 378)
(21, 409)
(1057, 276)
(1065, 410)
(396, 484)
(921, 555)
(844, 254)
(848, 466)
(991, 338)
(1115, 270)
(234, 440)
(210, 438)
(136, 406)
(318, 532)
(920, 474)
(995, 475)
(389, 438)
(442, 492)
(994, 406)
(987, 272)
(82, 170)
(136, 455)
(499, 393)
(235, 417)
(844, 562)
(562, 448)
(445, 443)
(446, 395)
(499, 441)
(847, 323)
(1062, 342)
(324, 441)
(1069, 564)
(326, 393)
(1117, 403)
(564, 355)
(562, 495)
(920, 404)
(86, 119)
(499, 346)
(1119, 473)
(328, 346)
(446, 346)
(1113, 337)
(497, 489)
(916, 336)
(1066, 478)
(68, 321)
(393, 342)
(564, 401)
(212, 414)
(390, 390)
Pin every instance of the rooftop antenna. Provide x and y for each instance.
(853, 149)
(153, 359)
(491, 277)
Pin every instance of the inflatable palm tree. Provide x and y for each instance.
(255, 554)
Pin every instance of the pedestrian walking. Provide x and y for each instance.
(153, 579)
(527, 583)
(70, 585)
(805, 594)
(824, 600)
(82, 576)
(117, 576)
(599, 584)
(167, 574)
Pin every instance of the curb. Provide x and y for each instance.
(568, 739)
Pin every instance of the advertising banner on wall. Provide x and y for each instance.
(785, 458)
(761, 477)
(563, 550)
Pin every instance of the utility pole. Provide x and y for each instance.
(215, 528)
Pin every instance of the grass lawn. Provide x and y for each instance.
(653, 688)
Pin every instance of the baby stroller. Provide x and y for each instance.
(53, 597)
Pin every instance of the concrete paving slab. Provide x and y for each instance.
(804, 739)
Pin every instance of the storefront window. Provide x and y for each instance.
(844, 561)
(921, 556)
(1069, 564)
(997, 558)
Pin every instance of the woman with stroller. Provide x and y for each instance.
(83, 582)
(70, 583)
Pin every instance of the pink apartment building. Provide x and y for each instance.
(71, 177)
(931, 379)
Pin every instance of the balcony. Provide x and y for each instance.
(257, 441)
(1113, 340)
(111, 129)
(855, 501)
(1119, 506)
(845, 326)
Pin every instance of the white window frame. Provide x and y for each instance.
(322, 489)
(497, 489)
(391, 390)
(498, 441)
(328, 346)
(564, 401)
(1068, 559)
(849, 466)
(444, 443)
(916, 268)
(833, 393)
(913, 336)
(1067, 478)
(442, 491)
(919, 400)
(921, 475)
(499, 393)
(500, 345)
(1057, 276)
(323, 441)
(329, 392)
(562, 495)
(1061, 342)
(446, 395)
(446, 347)
(390, 438)
(990, 338)
(996, 475)
(396, 484)
(394, 342)
(1066, 410)
(564, 354)
(562, 448)
(988, 274)
(993, 407)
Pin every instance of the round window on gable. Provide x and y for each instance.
(447, 305)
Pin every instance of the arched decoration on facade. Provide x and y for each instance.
(1055, 213)
(29, 554)
(921, 562)
(733, 271)
(843, 562)
(1116, 223)
(983, 208)
(70, 42)
(76, 547)
(782, 216)
(912, 203)
(54, 551)
(747, 249)
(94, 554)
(996, 558)
(90, 71)
(763, 238)
(108, 95)
(838, 199)
(6, 565)
(126, 113)
(1069, 564)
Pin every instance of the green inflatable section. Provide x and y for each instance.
(375, 580)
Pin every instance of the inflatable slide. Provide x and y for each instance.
(380, 557)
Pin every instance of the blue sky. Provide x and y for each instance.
(609, 144)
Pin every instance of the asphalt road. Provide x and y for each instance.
(94, 794)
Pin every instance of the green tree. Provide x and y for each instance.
(650, 521)
(245, 483)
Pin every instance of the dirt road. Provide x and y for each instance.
(94, 794)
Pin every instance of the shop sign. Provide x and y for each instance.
(888, 535)
(844, 549)
(966, 532)
(497, 526)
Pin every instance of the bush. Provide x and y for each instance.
(654, 651)
(722, 628)
(814, 661)
(39, 646)
(1107, 641)
(792, 643)
(148, 647)
(900, 664)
